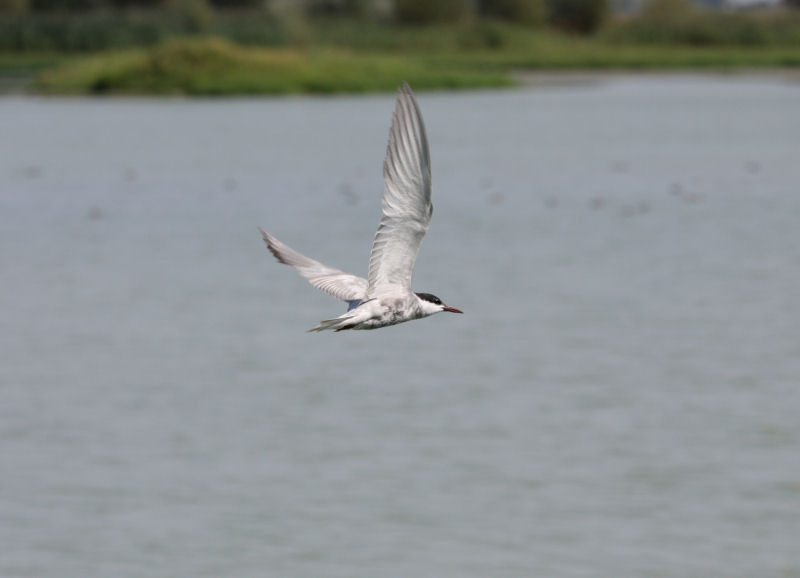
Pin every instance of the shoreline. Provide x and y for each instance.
(591, 76)
(229, 70)
(19, 87)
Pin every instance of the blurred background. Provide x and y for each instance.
(616, 213)
(301, 46)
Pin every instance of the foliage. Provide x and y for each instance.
(92, 31)
(13, 6)
(671, 22)
(582, 16)
(495, 28)
(216, 67)
(191, 15)
(349, 54)
(666, 10)
(253, 28)
(528, 12)
(349, 8)
(66, 5)
(235, 4)
(430, 11)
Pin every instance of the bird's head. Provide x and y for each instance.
(432, 304)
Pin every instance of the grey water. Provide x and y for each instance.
(620, 398)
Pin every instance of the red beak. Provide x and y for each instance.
(452, 309)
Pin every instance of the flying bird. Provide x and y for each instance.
(385, 298)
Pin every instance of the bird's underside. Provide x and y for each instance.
(374, 314)
(362, 312)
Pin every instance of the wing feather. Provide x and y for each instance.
(406, 204)
(332, 281)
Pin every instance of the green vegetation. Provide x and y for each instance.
(582, 16)
(216, 67)
(195, 47)
(678, 22)
(15, 64)
(527, 12)
(427, 12)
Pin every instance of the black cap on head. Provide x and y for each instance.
(429, 298)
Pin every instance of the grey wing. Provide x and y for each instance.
(333, 281)
(406, 201)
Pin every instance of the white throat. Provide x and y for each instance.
(429, 308)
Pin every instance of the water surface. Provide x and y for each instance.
(619, 399)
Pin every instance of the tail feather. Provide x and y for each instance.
(336, 324)
(355, 317)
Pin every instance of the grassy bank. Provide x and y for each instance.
(355, 56)
(217, 67)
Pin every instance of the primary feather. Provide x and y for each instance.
(334, 282)
(406, 203)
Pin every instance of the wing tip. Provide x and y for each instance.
(405, 92)
(272, 243)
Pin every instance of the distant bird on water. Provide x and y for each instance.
(386, 297)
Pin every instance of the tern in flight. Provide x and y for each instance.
(386, 297)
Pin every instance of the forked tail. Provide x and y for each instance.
(336, 324)
(356, 318)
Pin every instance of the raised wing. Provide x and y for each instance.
(406, 202)
(333, 281)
